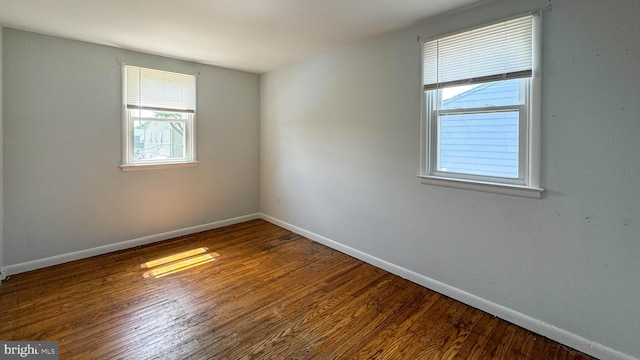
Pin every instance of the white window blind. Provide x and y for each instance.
(158, 90)
(496, 52)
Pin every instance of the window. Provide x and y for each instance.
(159, 119)
(481, 108)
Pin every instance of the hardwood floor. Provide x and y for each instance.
(269, 294)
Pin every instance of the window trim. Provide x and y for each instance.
(128, 134)
(530, 185)
(496, 188)
(434, 97)
(159, 166)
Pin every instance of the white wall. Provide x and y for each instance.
(340, 140)
(64, 191)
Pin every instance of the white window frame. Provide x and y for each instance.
(527, 183)
(129, 161)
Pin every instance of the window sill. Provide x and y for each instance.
(514, 190)
(139, 167)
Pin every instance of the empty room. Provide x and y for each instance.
(295, 179)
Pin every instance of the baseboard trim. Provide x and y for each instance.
(77, 255)
(540, 327)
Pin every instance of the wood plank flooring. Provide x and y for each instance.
(269, 294)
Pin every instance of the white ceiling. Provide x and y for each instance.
(250, 35)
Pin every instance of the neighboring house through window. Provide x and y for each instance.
(482, 108)
(159, 119)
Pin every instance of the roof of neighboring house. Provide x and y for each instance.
(487, 94)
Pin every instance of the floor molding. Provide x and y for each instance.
(76, 255)
(537, 326)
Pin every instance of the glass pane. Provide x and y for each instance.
(479, 144)
(499, 93)
(160, 136)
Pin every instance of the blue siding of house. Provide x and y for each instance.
(481, 143)
(489, 94)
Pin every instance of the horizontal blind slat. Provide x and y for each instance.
(160, 90)
(135, 107)
(479, 80)
(495, 51)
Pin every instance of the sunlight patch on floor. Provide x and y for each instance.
(177, 262)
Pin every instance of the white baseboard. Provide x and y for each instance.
(537, 326)
(76, 255)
